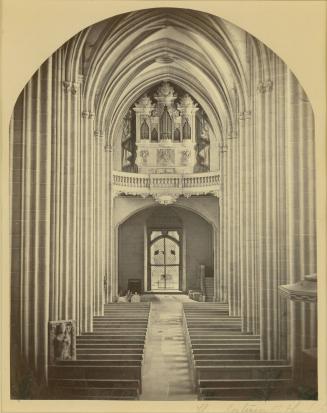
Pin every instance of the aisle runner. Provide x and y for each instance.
(166, 374)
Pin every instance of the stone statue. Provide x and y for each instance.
(135, 298)
(128, 145)
(62, 342)
(203, 146)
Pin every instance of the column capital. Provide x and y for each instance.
(98, 136)
(245, 115)
(80, 78)
(70, 87)
(223, 148)
(232, 135)
(108, 147)
(87, 114)
(265, 86)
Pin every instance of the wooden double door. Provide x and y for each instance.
(164, 259)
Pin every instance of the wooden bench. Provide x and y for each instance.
(110, 356)
(110, 345)
(251, 389)
(243, 372)
(225, 356)
(102, 363)
(97, 389)
(109, 359)
(91, 372)
(115, 350)
(225, 362)
(252, 363)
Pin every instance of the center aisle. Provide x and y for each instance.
(166, 373)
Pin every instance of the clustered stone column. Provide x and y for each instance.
(221, 291)
(86, 249)
(301, 229)
(31, 151)
(246, 230)
(231, 196)
(100, 183)
(267, 210)
(60, 218)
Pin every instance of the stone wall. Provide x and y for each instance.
(197, 243)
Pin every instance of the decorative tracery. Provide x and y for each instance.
(168, 124)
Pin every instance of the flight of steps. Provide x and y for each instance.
(109, 360)
(226, 363)
(209, 288)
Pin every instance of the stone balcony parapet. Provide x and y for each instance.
(166, 188)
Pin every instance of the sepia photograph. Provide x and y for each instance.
(163, 217)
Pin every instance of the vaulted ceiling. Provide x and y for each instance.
(122, 57)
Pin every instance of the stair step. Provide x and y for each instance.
(230, 351)
(215, 304)
(210, 320)
(98, 397)
(228, 356)
(239, 363)
(107, 319)
(95, 372)
(243, 383)
(212, 340)
(109, 345)
(225, 344)
(243, 372)
(113, 333)
(215, 312)
(77, 392)
(213, 334)
(106, 357)
(248, 393)
(230, 332)
(112, 340)
(85, 362)
(95, 383)
(103, 336)
(122, 330)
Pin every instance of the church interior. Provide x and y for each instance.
(163, 217)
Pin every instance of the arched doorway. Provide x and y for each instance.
(164, 259)
(164, 253)
(160, 249)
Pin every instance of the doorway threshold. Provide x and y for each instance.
(164, 292)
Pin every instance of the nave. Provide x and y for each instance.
(163, 149)
(169, 347)
(166, 370)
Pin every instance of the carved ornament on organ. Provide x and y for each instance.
(165, 132)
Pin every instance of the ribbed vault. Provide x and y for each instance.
(66, 203)
(122, 57)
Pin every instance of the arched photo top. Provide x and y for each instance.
(113, 62)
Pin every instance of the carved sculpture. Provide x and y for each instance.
(128, 145)
(173, 129)
(185, 156)
(144, 156)
(202, 146)
(62, 340)
(165, 157)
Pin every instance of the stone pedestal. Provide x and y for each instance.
(304, 359)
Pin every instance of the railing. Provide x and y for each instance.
(168, 185)
(126, 179)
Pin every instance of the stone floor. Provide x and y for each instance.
(166, 373)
